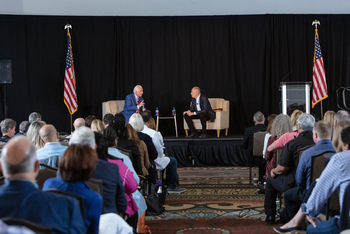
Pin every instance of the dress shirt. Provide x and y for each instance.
(198, 106)
(336, 176)
(303, 173)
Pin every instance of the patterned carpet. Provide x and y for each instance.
(217, 200)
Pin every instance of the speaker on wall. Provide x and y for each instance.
(5, 72)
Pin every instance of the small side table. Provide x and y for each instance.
(167, 117)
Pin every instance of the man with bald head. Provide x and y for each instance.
(78, 123)
(52, 150)
(21, 198)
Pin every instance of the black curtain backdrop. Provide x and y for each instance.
(239, 58)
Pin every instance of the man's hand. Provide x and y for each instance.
(272, 174)
(312, 221)
(142, 103)
(189, 113)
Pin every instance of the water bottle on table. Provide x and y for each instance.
(173, 111)
(157, 112)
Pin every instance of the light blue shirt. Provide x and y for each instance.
(51, 153)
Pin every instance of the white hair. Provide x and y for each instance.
(306, 122)
(136, 122)
(137, 87)
(83, 136)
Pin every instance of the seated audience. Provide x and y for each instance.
(294, 117)
(145, 163)
(97, 125)
(8, 129)
(119, 126)
(162, 161)
(89, 119)
(34, 117)
(20, 197)
(129, 182)
(49, 136)
(281, 125)
(335, 176)
(114, 200)
(33, 134)
(282, 177)
(77, 165)
(259, 126)
(293, 197)
(108, 119)
(23, 128)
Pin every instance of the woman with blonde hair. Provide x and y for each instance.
(145, 163)
(97, 125)
(329, 117)
(281, 125)
(336, 140)
(33, 134)
(294, 117)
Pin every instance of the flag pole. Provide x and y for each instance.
(316, 22)
(68, 26)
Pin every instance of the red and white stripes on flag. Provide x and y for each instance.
(70, 95)
(319, 76)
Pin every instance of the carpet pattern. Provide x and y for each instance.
(217, 200)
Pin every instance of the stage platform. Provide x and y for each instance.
(209, 152)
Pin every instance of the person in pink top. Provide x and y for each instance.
(282, 141)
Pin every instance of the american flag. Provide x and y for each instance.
(70, 95)
(319, 76)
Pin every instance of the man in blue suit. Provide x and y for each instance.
(200, 109)
(134, 103)
(21, 198)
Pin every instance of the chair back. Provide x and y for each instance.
(258, 144)
(333, 206)
(79, 198)
(318, 164)
(45, 173)
(2, 180)
(278, 156)
(37, 228)
(345, 213)
(301, 151)
(112, 106)
(96, 185)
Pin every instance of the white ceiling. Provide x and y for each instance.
(172, 7)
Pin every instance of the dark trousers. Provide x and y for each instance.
(171, 170)
(204, 117)
(273, 186)
(292, 200)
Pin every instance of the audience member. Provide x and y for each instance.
(294, 117)
(78, 122)
(335, 176)
(77, 165)
(20, 197)
(259, 126)
(8, 129)
(33, 134)
(341, 116)
(329, 117)
(281, 125)
(129, 182)
(119, 126)
(89, 119)
(337, 143)
(293, 197)
(282, 177)
(145, 163)
(52, 148)
(114, 200)
(270, 120)
(23, 128)
(200, 109)
(162, 161)
(108, 119)
(134, 103)
(34, 117)
(97, 125)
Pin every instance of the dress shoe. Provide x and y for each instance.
(270, 219)
(287, 230)
(193, 135)
(203, 136)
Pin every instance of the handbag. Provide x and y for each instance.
(154, 207)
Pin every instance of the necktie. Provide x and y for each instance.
(137, 103)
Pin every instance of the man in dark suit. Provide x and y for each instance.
(134, 103)
(200, 109)
(21, 198)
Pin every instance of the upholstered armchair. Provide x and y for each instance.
(222, 121)
(113, 107)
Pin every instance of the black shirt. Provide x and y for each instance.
(5, 138)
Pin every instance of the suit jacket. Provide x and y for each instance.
(22, 199)
(114, 200)
(205, 107)
(130, 106)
